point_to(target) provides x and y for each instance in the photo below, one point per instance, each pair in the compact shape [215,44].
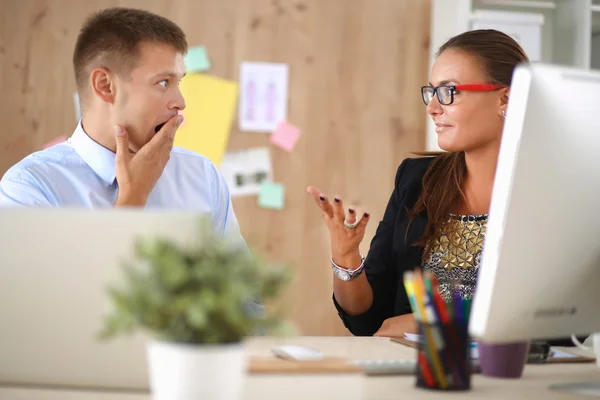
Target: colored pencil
[440,360]
[433,354]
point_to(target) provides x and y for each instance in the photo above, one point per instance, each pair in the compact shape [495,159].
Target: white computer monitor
[55,267]
[540,271]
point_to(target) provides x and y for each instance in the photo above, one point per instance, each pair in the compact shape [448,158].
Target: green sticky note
[271,195]
[197,60]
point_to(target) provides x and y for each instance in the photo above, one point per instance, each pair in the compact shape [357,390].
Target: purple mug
[505,360]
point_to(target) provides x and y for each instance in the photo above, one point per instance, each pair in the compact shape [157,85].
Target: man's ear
[103,84]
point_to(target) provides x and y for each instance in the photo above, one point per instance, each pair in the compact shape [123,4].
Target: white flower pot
[196,372]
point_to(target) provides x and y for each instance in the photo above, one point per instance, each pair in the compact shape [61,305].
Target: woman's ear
[505,95]
[504,101]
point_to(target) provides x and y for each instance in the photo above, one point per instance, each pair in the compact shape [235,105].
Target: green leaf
[196,316]
[197,294]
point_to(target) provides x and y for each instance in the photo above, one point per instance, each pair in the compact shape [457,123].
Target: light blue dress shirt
[81,173]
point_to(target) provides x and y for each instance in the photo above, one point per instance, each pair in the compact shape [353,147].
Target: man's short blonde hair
[110,38]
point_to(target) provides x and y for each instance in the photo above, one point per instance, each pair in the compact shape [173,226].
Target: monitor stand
[590,388]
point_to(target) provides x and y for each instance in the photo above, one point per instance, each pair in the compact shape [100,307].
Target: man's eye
[163,83]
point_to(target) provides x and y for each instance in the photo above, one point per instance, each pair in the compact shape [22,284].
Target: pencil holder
[443,358]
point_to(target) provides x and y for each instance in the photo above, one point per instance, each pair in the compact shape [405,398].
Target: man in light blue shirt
[128,64]
[81,173]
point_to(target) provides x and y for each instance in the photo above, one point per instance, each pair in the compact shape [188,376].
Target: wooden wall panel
[355,71]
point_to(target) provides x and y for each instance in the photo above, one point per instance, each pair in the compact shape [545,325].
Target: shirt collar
[100,159]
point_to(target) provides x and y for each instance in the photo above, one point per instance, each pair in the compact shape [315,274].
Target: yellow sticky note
[210,105]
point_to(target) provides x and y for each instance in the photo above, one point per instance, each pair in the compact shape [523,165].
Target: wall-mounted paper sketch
[525,28]
[246,170]
[264,95]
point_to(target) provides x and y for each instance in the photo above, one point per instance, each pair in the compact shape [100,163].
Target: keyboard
[396,367]
[387,367]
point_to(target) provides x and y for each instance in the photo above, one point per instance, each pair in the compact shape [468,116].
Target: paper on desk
[196,60]
[263,96]
[246,170]
[413,337]
[210,106]
[555,353]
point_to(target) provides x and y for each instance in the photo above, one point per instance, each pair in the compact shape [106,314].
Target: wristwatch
[348,274]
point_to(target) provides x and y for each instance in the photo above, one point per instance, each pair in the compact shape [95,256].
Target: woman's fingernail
[337,200]
[351,211]
[322,198]
[366,215]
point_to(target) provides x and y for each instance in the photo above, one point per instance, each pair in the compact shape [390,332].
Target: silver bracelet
[348,274]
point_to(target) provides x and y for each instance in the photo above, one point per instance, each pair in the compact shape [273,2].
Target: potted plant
[197,303]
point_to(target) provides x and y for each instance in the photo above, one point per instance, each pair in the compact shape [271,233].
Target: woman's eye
[163,83]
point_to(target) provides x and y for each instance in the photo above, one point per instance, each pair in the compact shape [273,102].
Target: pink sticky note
[58,140]
[285,136]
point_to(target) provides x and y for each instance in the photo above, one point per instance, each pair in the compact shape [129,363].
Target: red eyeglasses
[445,94]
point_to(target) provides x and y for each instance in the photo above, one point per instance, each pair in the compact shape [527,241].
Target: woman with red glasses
[437,214]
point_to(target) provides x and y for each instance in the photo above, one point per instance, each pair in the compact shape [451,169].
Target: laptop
[55,268]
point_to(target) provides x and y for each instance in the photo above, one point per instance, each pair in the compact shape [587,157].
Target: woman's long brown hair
[498,54]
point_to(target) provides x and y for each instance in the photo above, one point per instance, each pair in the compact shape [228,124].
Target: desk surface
[534,383]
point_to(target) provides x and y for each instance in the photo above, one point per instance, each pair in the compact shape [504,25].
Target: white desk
[533,385]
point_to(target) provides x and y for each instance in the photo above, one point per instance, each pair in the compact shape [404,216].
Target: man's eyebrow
[169,74]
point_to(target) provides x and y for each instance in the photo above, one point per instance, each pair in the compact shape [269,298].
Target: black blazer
[391,252]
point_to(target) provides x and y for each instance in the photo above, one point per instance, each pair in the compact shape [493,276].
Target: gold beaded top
[456,255]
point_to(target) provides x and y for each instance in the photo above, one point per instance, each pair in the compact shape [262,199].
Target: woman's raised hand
[346,228]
